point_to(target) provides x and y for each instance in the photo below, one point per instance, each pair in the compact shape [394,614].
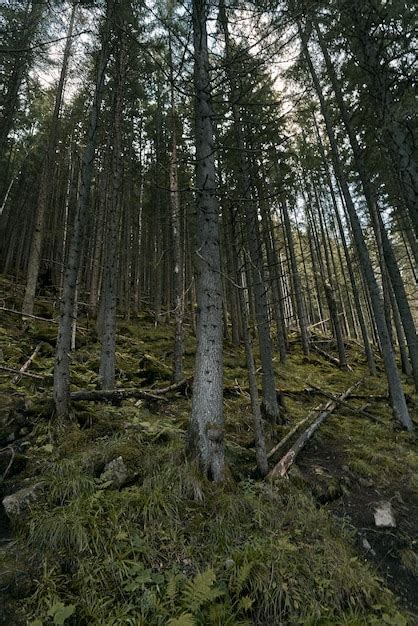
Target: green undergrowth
[171,548]
[175,549]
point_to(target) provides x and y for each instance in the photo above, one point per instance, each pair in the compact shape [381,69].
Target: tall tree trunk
[297,287]
[62,359]
[176,238]
[35,255]
[260,444]
[387,255]
[253,240]
[397,132]
[99,224]
[109,296]
[206,427]
[397,396]
[273,268]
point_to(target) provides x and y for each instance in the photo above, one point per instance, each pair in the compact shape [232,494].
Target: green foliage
[172,548]
[409,559]
[153,554]
[60,612]
[201,591]
[185,619]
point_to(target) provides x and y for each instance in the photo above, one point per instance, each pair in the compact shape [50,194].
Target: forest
[208,313]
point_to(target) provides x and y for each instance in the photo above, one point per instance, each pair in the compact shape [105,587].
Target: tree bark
[398,402]
[35,255]
[206,428]
[109,296]
[176,238]
[300,305]
[281,468]
[388,259]
[253,240]
[62,359]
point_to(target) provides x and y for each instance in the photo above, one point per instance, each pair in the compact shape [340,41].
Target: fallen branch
[174,387]
[12,370]
[330,358]
[348,406]
[318,323]
[35,317]
[280,469]
[12,458]
[25,366]
[116,395]
[112,395]
[372,397]
[295,392]
[291,432]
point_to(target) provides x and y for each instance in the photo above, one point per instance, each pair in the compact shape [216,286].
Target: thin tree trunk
[176,238]
[62,360]
[19,67]
[297,287]
[253,240]
[398,402]
[260,444]
[109,296]
[386,252]
[275,286]
[35,255]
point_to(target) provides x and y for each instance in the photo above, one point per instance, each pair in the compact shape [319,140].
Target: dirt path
[353,498]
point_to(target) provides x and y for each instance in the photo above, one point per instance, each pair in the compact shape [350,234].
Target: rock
[364,482]
[229,563]
[367,546]
[383,515]
[18,503]
[115,472]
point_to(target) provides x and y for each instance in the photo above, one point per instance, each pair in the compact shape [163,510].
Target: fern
[185,619]
[200,590]
[240,577]
[172,588]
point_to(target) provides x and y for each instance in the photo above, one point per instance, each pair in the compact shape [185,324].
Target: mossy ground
[172,548]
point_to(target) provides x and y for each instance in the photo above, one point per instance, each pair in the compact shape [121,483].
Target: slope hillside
[148,541]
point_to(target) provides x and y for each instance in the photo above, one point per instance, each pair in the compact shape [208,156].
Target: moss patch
[172,548]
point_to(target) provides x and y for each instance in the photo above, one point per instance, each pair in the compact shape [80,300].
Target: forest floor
[168,547]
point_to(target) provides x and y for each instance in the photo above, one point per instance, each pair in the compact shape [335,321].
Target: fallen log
[330,358]
[291,432]
[182,385]
[12,370]
[280,469]
[34,317]
[112,395]
[27,364]
[174,387]
[348,406]
[373,397]
[318,323]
